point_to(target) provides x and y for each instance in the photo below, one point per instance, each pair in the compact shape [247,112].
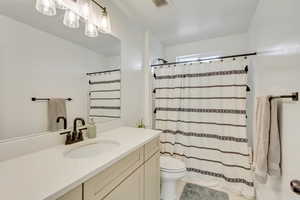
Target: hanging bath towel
[56,108]
[267,145]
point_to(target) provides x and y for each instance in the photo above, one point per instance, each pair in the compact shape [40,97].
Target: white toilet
[171,170]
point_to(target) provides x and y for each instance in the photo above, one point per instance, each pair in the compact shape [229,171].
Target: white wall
[132,38]
[153,50]
[228,45]
[113,62]
[156,49]
[275,32]
[34,63]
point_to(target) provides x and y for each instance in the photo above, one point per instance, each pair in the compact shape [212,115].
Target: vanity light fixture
[85,8]
[71,19]
[105,22]
[90,29]
[46,7]
[60,4]
[90,12]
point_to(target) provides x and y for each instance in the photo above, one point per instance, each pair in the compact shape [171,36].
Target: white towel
[274,157]
[262,138]
[56,108]
[267,144]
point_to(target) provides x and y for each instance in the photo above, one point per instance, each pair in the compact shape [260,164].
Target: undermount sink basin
[92,149]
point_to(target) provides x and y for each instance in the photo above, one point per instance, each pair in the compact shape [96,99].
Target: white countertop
[48,174]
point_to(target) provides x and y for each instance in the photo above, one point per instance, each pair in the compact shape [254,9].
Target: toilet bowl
[171,170]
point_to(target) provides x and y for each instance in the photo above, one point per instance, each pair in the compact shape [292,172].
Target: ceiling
[191,20]
[24,11]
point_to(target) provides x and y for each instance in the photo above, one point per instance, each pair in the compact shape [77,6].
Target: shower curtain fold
[201,110]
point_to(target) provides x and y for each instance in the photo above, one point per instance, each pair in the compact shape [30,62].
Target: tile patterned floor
[181,184]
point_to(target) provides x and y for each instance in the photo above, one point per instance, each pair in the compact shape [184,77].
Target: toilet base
[171,171]
[168,190]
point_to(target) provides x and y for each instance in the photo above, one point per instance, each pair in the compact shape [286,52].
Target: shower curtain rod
[207,59]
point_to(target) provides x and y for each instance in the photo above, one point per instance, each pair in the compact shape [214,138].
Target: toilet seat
[171,165]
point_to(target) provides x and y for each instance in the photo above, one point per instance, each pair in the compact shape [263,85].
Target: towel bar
[46,99]
[294,97]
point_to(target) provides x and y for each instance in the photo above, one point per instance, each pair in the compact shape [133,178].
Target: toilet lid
[171,164]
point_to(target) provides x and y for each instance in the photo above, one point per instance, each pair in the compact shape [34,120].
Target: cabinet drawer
[100,185]
[151,148]
[75,194]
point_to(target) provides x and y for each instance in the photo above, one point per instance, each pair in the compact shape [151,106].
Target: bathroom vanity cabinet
[135,177]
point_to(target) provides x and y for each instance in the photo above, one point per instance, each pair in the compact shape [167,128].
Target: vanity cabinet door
[103,183]
[152,178]
[131,188]
[75,194]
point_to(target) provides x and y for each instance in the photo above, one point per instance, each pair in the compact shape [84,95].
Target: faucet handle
[65,133]
[80,134]
[81,129]
[69,137]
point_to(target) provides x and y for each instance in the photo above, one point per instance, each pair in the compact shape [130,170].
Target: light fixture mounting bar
[103,8]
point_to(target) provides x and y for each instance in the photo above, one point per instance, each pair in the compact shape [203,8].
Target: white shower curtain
[201,109]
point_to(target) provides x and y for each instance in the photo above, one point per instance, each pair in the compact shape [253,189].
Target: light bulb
[91,30]
[60,4]
[71,19]
[46,7]
[85,10]
[105,23]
